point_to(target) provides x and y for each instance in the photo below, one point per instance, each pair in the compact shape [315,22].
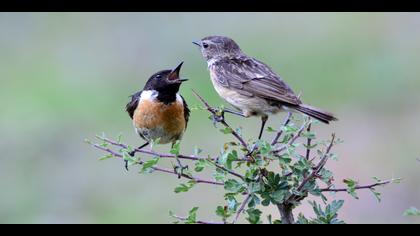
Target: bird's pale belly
[250,106]
[156,120]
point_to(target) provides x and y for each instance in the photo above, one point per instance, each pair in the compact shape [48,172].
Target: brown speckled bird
[159,112]
[250,85]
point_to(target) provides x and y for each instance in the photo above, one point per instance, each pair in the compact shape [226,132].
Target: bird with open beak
[159,112]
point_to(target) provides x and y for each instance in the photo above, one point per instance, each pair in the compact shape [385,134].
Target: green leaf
[302,219]
[254,216]
[278,196]
[232,204]
[154,142]
[264,147]
[175,148]
[329,216]
[309,135]
[254,201]
[192,216]
[226,130]
[147,167]
[289,129]
[185,187]
[106,157]
[376,194]
[254,187]
[266,202]
[269,218]
[223,212]
[335,206]
[233,186]
[271,130]
[200,165]
[351,187]
[412,211]
[219,175]
[232,156]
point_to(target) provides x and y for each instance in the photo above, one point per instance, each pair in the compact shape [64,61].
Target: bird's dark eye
[158,76]
[205,45]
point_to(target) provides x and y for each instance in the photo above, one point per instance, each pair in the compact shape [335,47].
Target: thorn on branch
[280,132]
[315,172]
[370,186]
[160,169]
[222,121]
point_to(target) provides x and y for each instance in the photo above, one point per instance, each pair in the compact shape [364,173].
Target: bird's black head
[166,83]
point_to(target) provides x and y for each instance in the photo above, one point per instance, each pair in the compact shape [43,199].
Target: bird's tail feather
[316,113]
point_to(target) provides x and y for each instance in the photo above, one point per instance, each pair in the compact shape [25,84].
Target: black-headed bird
[159,112]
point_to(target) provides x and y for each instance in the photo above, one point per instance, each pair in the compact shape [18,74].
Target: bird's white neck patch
[179,98]
[151,95]
[148,95]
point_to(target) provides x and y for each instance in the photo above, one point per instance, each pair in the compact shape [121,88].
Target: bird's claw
[179,170]
[126,165]
[253,149]
[218,117]
[126,161]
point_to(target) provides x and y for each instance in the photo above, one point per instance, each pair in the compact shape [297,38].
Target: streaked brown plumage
[250,85]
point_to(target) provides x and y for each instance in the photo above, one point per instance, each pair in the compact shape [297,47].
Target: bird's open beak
[197,43]
[174,75]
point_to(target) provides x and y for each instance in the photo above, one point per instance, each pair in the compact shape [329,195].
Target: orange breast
[151,115]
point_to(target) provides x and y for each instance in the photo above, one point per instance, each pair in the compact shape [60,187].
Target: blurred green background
[65,77]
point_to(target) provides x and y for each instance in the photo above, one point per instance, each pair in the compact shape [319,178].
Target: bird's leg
[263,122]
[179,168]
[133,153]
[234,112]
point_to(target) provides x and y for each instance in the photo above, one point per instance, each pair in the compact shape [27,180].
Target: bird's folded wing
[186,112]
[251,77]
[132,105]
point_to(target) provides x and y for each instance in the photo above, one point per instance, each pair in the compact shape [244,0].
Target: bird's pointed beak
[197,43]
[174,75]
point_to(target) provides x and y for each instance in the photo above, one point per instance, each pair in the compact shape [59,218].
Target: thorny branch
[222,120]
[308,143]
[370,186]
[286,207]
[285,123]
[320,165]
[294,138]
[160,169]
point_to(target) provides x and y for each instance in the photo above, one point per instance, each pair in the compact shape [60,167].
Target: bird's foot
[217,117]
[126,161]
[179,170]
[126,165]
[252,150]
